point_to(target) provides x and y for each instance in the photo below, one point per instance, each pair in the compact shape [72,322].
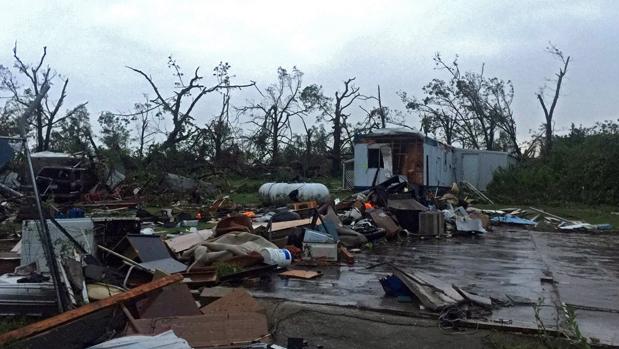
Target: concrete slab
[506,264]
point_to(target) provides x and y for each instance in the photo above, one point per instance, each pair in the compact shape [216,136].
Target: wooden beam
[277,226]
[74,314]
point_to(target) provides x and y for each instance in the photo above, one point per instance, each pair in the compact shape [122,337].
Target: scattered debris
[173,276]
[431,292]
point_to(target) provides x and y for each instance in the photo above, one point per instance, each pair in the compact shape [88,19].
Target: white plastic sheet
[165,340]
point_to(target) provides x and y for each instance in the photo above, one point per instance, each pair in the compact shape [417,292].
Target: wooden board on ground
[229,330]
[477,299]
[171,300]
[277,226]
[300,274]
[431,292]
[237,301]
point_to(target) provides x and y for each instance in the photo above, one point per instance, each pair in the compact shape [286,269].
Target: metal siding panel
[488,163]
[470,168]
[361,165]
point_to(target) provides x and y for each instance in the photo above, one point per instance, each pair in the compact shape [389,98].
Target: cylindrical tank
[278,193]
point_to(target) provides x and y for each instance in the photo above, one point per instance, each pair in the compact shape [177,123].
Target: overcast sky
[390,43]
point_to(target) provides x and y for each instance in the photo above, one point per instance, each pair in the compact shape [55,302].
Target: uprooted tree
[549,111]
[47,116]
[468,108]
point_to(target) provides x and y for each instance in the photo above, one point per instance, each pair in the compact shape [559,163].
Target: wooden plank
[276,226]
[346,255]
[74,314]
[477,299]
[300,274]
[237,301]
[428,299]
[433,293]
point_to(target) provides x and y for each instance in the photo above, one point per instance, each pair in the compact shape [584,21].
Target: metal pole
[46,240]
[343,175]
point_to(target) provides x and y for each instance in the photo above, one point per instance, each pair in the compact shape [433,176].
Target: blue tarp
[511,219]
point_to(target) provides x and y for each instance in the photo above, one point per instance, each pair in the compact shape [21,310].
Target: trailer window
[375,159]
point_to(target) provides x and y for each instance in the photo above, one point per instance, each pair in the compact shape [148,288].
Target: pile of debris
[134,276]
[451,302]
[535,217]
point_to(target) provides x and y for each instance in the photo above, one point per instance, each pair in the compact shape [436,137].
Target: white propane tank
[277,193]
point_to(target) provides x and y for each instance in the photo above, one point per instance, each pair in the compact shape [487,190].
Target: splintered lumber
[551,215]
[476,191]
[77,313]
[277,226]
[477,299]
[433,293]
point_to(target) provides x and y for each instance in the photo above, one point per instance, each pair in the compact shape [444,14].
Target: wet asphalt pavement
[506,264]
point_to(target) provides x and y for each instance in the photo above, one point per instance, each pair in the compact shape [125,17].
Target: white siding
[478,166]
[438,165]
[361,165]
[364,175]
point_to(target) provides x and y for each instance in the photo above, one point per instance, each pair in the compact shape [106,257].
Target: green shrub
[582,167]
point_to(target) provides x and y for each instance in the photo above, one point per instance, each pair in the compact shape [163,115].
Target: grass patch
[244,191]
[9,323]
[224,268]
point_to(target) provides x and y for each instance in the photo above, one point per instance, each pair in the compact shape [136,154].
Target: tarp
[511,219]
[227,246]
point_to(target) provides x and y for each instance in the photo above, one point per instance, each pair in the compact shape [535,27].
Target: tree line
[165,130]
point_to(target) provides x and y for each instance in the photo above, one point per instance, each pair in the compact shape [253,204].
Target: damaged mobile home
[425,162]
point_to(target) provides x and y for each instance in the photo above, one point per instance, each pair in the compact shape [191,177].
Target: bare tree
[280,103]
[46,115]
[184,99]
[335,112]
[220,130]
[549,113]
[144,118]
